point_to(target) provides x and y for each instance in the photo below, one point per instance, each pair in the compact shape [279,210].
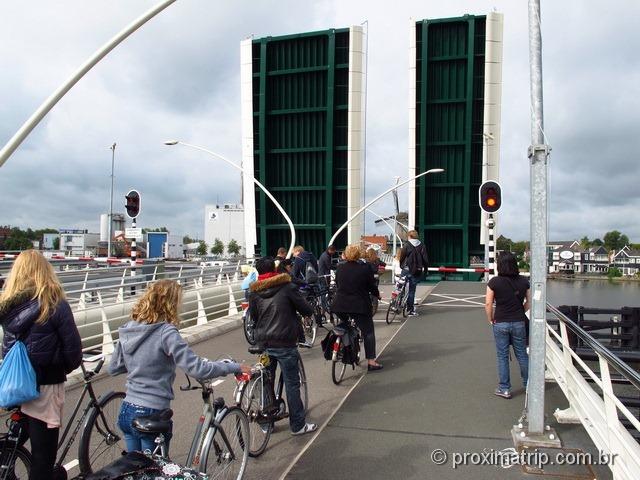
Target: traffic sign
[135,233]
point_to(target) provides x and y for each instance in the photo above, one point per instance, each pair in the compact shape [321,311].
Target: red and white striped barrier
[457,270]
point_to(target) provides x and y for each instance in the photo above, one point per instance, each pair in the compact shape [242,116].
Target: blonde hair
[298,249]
[398,254]
[32,272]
[352,253]
[371,255]
[160,302]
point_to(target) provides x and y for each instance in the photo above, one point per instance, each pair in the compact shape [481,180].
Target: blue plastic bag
[17,378]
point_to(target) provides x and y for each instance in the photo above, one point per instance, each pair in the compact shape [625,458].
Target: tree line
[613,240]
[19,239]
[233,248]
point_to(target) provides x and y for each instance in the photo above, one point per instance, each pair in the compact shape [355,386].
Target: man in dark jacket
[414,262]
[273,302]
[325,263]
[300,261]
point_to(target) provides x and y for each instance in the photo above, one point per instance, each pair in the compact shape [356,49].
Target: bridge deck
[435,392]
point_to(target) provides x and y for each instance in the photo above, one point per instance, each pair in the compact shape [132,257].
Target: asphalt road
[324,396]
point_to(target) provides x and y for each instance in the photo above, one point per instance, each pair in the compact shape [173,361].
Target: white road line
[72,464]
[326,422]
[217,382]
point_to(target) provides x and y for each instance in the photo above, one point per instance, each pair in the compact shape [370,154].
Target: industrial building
[78,243]
[224,222]
[303,136]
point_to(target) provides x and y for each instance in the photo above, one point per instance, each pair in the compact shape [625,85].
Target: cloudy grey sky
[178,77]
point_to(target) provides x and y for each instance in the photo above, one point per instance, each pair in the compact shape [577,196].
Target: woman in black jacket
[33,309]
[355,281]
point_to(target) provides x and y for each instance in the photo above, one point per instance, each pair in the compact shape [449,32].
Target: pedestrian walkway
[432,402]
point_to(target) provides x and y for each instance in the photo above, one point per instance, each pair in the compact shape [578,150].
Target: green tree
[615,240]
[187,239]
[18,240]
[218,247]
[597,242]
[233,248]
[56,243]
[504,244]
[614,272]
[584,242]
[202,248]
[519,248]
[157,229]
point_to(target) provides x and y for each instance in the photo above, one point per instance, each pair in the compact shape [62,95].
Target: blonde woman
[355,282]
[33,309]
[148,351]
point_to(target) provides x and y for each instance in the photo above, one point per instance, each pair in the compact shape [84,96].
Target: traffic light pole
[134,255]
[491,248]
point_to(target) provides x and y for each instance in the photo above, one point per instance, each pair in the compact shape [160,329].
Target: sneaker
[308,428]
[502,393]
[412,313]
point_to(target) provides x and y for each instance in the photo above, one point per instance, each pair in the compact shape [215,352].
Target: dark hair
[332,248]
[282,252]
[508,265]
[265,265]
[283,264]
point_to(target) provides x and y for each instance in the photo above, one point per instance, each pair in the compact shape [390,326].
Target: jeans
[505,334]
[134,439]
[287,358]
[412,283]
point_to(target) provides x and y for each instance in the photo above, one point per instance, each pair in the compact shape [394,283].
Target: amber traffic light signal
[133,203]
[490,195]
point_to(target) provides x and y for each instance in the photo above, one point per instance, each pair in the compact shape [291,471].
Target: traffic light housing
[133,203]
[490,195]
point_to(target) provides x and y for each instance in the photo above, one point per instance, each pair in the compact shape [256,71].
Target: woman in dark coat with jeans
[355,281]
[33,309]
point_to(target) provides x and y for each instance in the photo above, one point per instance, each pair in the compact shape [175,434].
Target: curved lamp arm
[344,225]
[250,175]
[50,102]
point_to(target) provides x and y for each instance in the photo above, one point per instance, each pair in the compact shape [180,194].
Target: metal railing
[101,305]
[596,399]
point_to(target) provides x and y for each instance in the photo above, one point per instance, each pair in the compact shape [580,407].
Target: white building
[225,222]
[78,243]
[48,240]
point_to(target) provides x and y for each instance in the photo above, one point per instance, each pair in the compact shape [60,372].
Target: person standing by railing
[33,309]
[511,293]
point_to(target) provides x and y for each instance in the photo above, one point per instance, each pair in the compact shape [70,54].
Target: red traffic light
[490,196]
[133,203]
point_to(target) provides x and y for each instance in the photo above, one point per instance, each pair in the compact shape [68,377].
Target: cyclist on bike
[355,283]
[148,351]
[273,302]
[414,262]
[33,309]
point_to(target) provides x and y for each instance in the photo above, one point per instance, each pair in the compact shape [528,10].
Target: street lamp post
[397,185]
[113,156]
[255,180]
[395,233]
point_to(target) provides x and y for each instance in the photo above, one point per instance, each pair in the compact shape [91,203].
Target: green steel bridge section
[449,120]
[300,106]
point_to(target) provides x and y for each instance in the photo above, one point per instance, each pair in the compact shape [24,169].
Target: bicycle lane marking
[344,399]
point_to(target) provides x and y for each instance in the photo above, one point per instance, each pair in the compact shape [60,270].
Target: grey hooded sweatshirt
[149,354]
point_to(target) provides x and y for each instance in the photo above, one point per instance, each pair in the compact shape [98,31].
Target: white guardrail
[595,405]
[102,298]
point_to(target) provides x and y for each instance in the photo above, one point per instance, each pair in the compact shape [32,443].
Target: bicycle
[264,404]
[218,449]
[398,303]
[15,459]
[345,349]
[248,324]
[100,440]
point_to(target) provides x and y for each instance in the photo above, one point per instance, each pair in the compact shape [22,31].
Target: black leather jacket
[273,304]
[54,347]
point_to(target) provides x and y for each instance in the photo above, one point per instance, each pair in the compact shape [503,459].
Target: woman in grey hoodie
[148,351]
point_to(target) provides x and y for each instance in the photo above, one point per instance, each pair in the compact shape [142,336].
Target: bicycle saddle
[155,423]
[256,350]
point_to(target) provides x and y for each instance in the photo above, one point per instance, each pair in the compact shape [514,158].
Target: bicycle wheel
[101,441]
[248,327]
[392,311]
[225,455]
[337,366]
[252,401]
[405,296]
[15,461]
[310,328]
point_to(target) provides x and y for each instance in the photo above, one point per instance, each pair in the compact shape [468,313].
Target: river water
[593,293]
